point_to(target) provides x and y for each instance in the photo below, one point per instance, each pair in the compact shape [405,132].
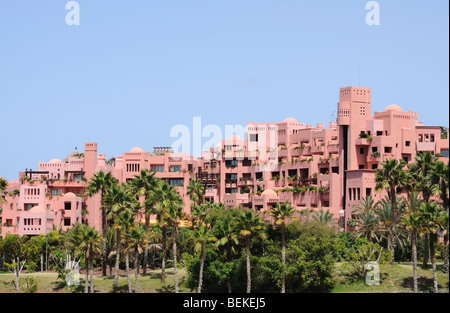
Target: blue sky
[133,69]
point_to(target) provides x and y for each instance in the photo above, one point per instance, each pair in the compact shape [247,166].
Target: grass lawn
[393,278]
[151,283]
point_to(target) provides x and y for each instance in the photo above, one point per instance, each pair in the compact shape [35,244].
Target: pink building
[312,167]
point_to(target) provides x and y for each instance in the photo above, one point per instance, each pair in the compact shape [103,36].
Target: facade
[312,167]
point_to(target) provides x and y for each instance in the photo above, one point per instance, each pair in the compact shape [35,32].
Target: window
[362,111]
[247,162]
[56,192]
[253,137]
[231,163]
[445,153]
[175,168]
[68,206]
[29,206]
[379,133]
[408,143]
[361,166]
[231,177]
[374,166]
[368,192]
[387,149]
[133,167]
[361,150]
[157,168]
[374,149]
[176,182]
[67,221]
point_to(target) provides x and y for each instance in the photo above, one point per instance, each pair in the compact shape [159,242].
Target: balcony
[296,152]
[334,162]
[246,181]
[373,158]
[426,146]
[325,195]
[210,193]
[306,151]
[333,148]
[282,153]
[318,149]
[207,178]
[363,142]
[67,183]
[230,182]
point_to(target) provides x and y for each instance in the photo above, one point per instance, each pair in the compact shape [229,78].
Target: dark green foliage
[310,255]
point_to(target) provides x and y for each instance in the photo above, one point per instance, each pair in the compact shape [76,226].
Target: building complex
[312,167]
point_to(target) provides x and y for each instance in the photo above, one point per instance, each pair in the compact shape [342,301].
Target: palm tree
[154,242]
[250,226]
[367,223]
[281,212]
[196,191]
[111,245]
[388,228]
[392,177]
[413,222]
[324,216]
[100,182]
[444,223]
[202,236]
[168,211]
[145,185]
[432,223]
[226,231]
[421,171]
[89,242]
[201,213]
[174,210]
[120,200]
[160,209]
[421,175]
[127,220]
[3,185]
[137,241]
[367,204]
[439,178]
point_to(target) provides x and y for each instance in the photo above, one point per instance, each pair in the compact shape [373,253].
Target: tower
[90,159]
[354,109]
[90,168]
